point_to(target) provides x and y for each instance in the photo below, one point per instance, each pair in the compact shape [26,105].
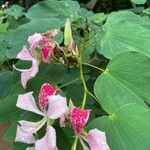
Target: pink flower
[96,139]
[53,103]
[37,41]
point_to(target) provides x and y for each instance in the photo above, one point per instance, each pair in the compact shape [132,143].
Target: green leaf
[8,109]
[16,11]
[139,1]
[62,139]
[54,9]
[126,80]
[3,26]
[19,146]
[124,31]
[5,83]
[127,128]
[18,38]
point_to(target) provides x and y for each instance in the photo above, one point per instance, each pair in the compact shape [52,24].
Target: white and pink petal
[57,106]
[34,41]
[24,54]
[24,137]
[27,102]
[96,140]
[48,142]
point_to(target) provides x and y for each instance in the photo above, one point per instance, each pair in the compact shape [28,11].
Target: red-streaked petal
[47,51]
[79,117]
[45,91]
[27,102]
[24,137]
[48,142]
[96,140]
[57,106]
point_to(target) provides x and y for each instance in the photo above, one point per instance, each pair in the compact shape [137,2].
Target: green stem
[82,77]
[74,145]
[69,83]
[84,86]
[92,96]
[102,70]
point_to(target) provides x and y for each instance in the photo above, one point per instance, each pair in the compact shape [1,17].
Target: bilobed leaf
[54,9]
[126,80]
[127,128]
[124,31]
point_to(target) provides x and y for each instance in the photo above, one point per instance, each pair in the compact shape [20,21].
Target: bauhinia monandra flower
[52,106]
[41,47]
[95,139]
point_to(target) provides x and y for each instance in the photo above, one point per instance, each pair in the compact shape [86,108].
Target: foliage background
[116,68]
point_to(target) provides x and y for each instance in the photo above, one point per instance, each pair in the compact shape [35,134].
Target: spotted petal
[48,142]
[47,51]
[27,102]
[96,140]
[24,137]
[79,117]
[45,91]
[57,106]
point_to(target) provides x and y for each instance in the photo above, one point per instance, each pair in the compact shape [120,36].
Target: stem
[92,96]
[102,70]
[84,86]
[82,78]
[69,83]
[74,146]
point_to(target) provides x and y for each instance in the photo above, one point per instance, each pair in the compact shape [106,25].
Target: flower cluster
[53,106]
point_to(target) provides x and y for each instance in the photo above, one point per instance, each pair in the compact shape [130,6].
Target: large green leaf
[54,9]
[126,80]
[18,38]
[127,128]
[124,31]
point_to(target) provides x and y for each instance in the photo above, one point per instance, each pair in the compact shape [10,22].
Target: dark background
[101,5]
